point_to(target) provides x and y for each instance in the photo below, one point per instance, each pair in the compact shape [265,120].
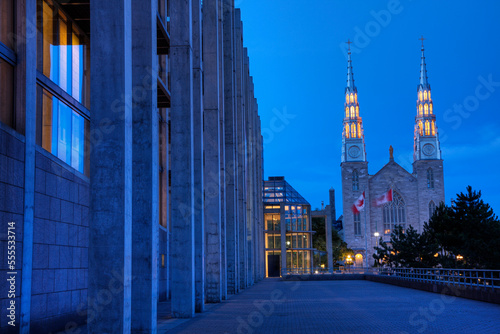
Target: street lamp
[348,260]
[376,234]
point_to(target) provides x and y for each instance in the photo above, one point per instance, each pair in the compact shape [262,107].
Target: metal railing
[326,271]
[489,279]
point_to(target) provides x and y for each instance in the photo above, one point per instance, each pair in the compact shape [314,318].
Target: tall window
[433,128]
[353,131]
[355,180]
[425,95]
[357,110]
[420,109]
[420,95]
[346,98]
[426,109]
[352,98]
[346,112]
[7,63]
[432,208]
[430,108]
[420,128]
[430,178]
[357,223]
[352,112]
[427,129]
[347,130]
[394,213]
[64,84]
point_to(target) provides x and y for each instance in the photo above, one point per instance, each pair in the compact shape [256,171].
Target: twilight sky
[298,61]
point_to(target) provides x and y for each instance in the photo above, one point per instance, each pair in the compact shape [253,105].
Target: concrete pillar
[110,242]
[328,230]
[230,147]
[240,111]
[283,240]
[220,4]
[212,151]
[198,159]
[247,118]
[26,102]
[183,208]
[145,173]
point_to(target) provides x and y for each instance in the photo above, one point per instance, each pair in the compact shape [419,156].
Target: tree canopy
[465,234]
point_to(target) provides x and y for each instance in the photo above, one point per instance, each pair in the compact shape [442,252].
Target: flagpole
[366,238]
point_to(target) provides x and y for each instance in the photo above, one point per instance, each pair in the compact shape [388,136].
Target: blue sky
[299,68]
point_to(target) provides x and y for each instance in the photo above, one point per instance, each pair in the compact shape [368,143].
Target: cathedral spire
[426,140]
[353,139]
[350,75]
[424,84]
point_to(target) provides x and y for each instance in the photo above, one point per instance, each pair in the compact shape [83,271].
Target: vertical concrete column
[212,151]
[110,242]
[242,244]
[145,173]
[261,203]
[248,164]
[198,159]
[26,102]
[283,239]
[328,231]
[222,150]
[229,142]
[183,208]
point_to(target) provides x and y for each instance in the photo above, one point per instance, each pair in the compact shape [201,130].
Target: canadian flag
[359,204]
[387,197]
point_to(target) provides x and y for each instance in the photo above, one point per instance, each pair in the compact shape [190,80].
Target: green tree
[468,228]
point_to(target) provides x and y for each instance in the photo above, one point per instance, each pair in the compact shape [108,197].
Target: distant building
[415,194]
[287,217]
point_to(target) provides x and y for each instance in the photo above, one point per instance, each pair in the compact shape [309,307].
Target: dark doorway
[273,266]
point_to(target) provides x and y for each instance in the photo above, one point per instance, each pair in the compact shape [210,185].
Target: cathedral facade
[415,194]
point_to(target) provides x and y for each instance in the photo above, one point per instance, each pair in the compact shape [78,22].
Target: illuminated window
[359,130]
[347,98]
[430,178]
[357,111]
[352,98]
[63,52]
[425,95]
[430,107]
[427,129]
[347,130]
[394,213]
[352,112]
[429,95]
[433,128]
[426,109]
[420,128]
[355,180]
[353,131]
[432,208]
[420,109]
[62,131]
[163,260]
[357,223]
[420,95]
[356,97]
[347,112]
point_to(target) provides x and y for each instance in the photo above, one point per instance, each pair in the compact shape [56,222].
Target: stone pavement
[273,306]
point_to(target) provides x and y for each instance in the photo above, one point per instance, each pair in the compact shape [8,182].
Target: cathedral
[413,195]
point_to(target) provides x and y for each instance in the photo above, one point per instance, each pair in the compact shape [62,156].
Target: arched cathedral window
[357,111]
[394,213]
[420,95]
[346,98]
[347,130]
[357,223]
[420,109]
[355,180]
[352,112]
[352,98]
[353,131]
[346,112]
[432,208]
[430,178]
[425,95]
[426,109]
[427,129]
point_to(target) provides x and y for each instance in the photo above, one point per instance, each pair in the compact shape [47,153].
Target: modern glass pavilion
[287,228]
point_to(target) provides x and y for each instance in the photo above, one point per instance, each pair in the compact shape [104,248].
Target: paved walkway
[273,306]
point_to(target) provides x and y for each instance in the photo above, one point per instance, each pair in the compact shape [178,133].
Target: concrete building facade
[415,195]
[130,162]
